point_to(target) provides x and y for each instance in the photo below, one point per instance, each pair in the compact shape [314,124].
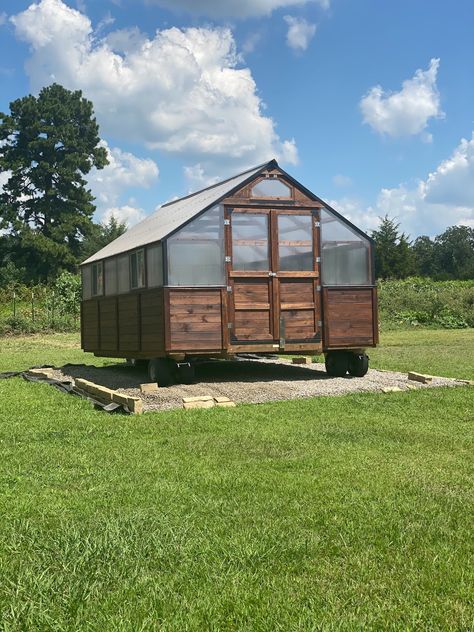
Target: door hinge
[318,259]
[230,325]
[227,259]
[318,288]
[320,323]
[229,288]
[317,224]
[227,222]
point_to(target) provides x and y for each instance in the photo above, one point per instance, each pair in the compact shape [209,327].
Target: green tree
[101,235]
[47,144]
[393,256]
[455,253]
[424,255]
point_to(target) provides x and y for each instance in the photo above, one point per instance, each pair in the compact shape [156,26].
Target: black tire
[337,363]
[358,364]
[185,373]
[160,370]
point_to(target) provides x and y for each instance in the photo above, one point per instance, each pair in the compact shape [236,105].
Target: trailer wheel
[161,370]
[337,363]
[358,364]
[185,372]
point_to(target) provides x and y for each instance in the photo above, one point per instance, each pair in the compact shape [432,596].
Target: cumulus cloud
[180,92]
[126,214]
[300,32]
[445,198]
[407,112]
[232,8]
[125,171]
[197,178]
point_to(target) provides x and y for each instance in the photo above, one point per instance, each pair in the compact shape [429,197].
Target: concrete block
[226,404]
[150,387]
[302,360]
[221,400]
[392,389]
[201,398]
[199,404]
[419,377]
[43,373]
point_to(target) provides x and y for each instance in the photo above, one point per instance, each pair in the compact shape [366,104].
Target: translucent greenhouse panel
[196,252]
[86,282]
[123,274]
[345,256]
[137,269]
[154,262]
[97,278]
[271,187]
[111,276]
[250,242]
[295,242]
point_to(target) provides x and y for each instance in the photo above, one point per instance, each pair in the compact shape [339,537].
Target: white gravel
[249,381]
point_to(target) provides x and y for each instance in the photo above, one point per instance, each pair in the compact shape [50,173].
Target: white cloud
[126,214]
[341,181]
[407,112]
[232,8]
[445,198]
[181,92]
[300,32]
[197,177]
[124,172]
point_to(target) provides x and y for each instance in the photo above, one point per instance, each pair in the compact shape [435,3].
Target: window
[196,252]
[123,274]
[110,276]
[86,282]
[137,269]
[154,263]
[271,187]
[97,279]
[250,241]
[295,242]
[344,253]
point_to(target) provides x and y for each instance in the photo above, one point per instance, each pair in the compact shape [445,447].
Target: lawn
[341,513]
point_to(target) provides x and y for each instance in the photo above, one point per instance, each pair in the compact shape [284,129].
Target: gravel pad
[246,381]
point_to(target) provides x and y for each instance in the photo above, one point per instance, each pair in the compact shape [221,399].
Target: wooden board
[349,317]
[194,319]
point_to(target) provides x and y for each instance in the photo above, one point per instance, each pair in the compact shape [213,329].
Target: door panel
[253,309]
[273,276]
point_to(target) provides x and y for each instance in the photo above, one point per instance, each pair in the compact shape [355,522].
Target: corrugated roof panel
[168,218]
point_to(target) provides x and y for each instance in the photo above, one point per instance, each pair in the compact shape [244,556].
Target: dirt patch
[246,381]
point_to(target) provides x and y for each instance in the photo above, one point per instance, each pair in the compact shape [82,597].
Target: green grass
[341,513]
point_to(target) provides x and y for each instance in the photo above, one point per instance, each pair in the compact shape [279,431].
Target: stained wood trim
[303,274]
[375,314]
[225,320]
[248,274]
[167,324]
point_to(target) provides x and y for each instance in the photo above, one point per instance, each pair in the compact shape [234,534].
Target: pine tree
[393,254]
[47,144]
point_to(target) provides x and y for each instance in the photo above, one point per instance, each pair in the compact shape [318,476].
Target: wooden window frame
[135,254]
[94,279]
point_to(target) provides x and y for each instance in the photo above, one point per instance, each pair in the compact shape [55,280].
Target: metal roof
[169,217]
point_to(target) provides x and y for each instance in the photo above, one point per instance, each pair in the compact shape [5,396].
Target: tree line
[49,143]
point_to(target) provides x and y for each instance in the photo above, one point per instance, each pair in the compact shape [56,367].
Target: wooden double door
[273,276]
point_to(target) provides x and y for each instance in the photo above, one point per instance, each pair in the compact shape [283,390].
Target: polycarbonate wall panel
[271,187]
[295,242]
[86,282]
[250,242]
[345,255]
[111,276]
[123,274]
[154,262]
[196,252]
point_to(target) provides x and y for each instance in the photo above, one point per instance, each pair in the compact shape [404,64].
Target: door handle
[272,274]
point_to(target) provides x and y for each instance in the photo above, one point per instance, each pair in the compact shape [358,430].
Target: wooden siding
[349,317]
[195,319]
[128,325]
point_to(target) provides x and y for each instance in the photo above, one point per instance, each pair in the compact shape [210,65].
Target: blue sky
[368,103]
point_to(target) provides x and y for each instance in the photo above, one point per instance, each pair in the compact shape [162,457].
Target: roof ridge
[216,184]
